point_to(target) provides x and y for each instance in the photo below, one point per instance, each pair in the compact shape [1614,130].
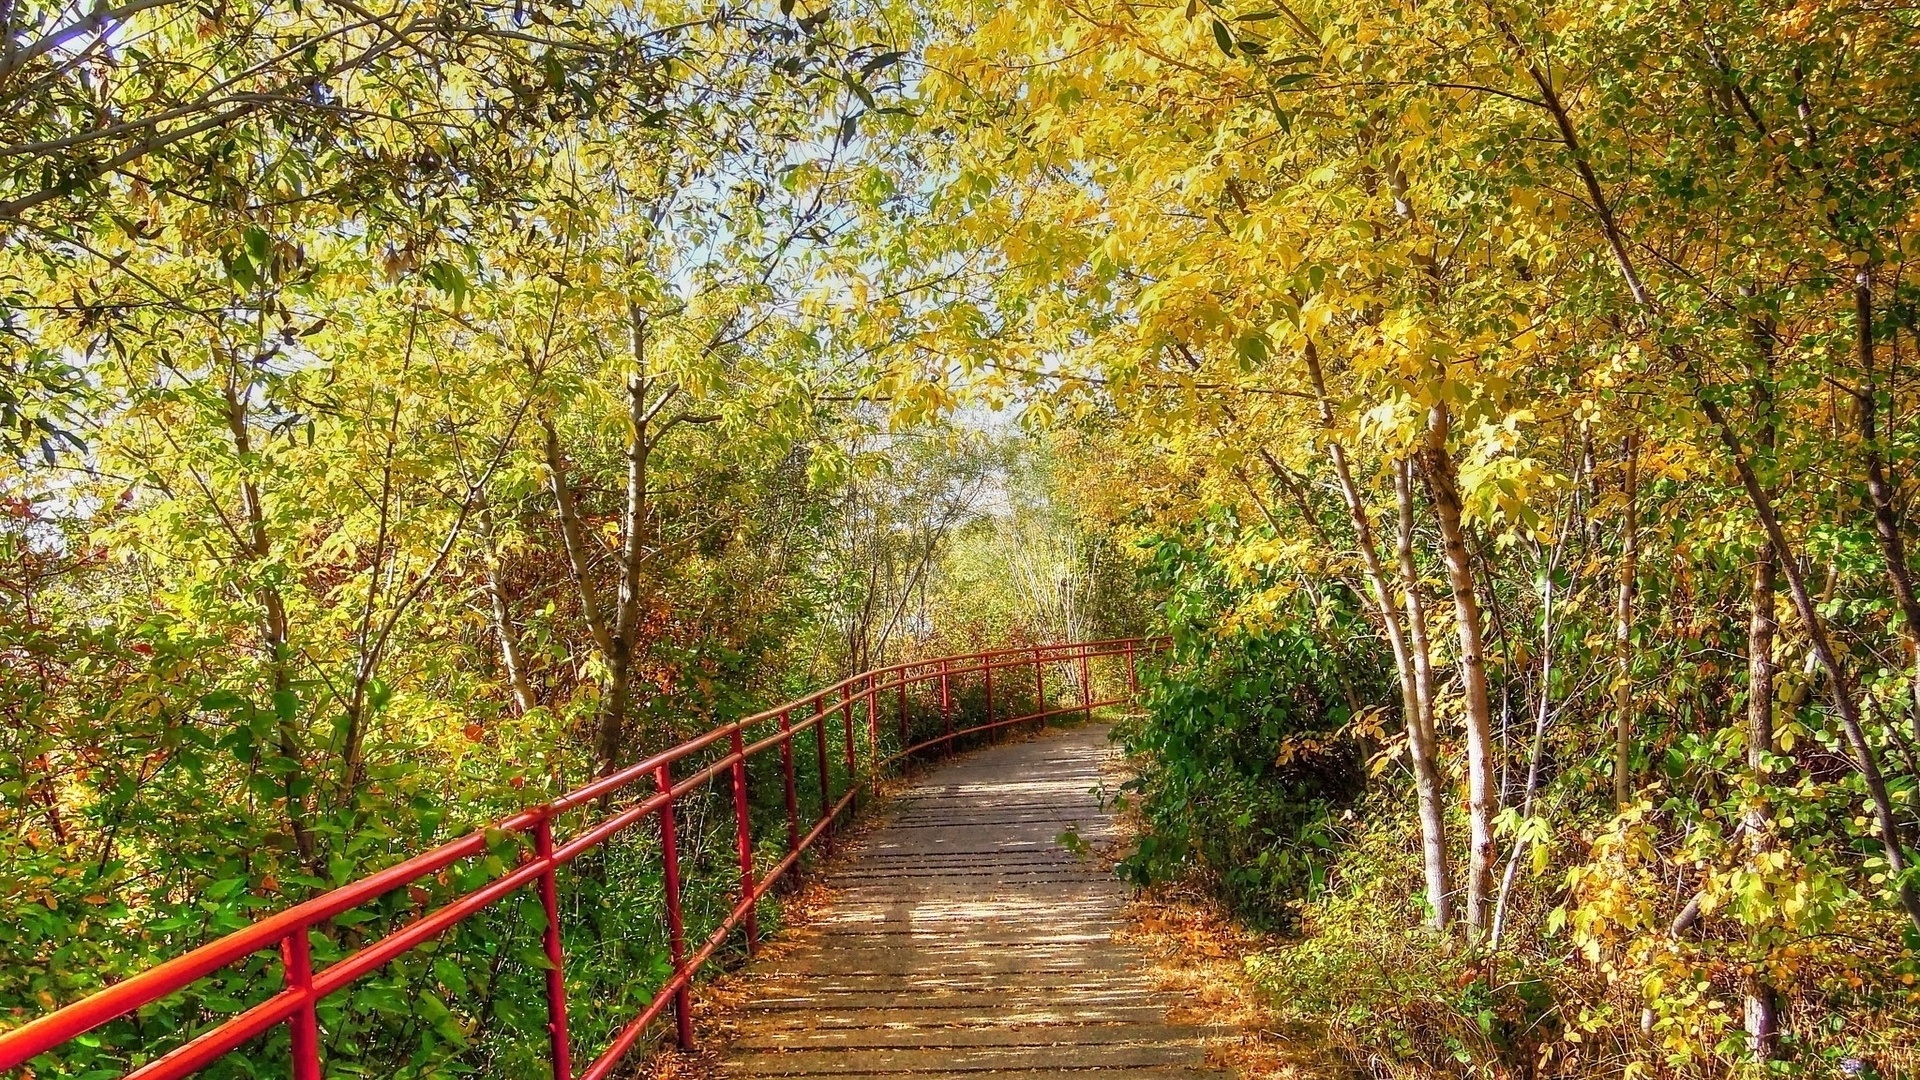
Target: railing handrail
[289,929]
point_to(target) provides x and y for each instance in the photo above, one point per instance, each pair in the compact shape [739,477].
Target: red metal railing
[290,930]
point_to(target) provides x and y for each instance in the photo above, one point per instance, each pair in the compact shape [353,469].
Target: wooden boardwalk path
[966,942]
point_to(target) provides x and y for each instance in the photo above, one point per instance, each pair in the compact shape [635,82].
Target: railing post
[853,767]
[873,722]
[1086,684]
[676,930]
[906,739]
[786,777]
[303,1027]
[550,941]
[988,661]
[1039,687]
[1133,674]
[743,840]
[946,706]
[820,751]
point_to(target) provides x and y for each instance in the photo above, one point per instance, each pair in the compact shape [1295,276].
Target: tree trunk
[1589,486]
[609,743]
[1423,746]
[573,538]
[503,624]
[1443,485]
[1623,628]
[274,639]
[1760,1003]
[1419,740]
[1418,645]
[1886,516]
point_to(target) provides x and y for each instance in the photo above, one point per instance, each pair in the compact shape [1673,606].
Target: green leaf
[222,701]
[1223,37]
[533,958]
[450,975]
[448,279]
[259,246]
[242,271]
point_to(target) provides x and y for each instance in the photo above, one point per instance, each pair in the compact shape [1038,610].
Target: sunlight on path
[964,939]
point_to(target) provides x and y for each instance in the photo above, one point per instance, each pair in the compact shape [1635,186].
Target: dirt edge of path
[1199,953]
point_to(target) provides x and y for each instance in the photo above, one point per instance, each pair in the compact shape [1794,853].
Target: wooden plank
[951,1037]
[1058,982]
[995,1010]
[829,1061]
[983,1005]
[1061,1072]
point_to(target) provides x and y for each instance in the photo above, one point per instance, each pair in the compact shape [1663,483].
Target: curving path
[966,941]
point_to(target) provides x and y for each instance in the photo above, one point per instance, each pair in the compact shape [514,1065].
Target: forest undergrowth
[1294,898]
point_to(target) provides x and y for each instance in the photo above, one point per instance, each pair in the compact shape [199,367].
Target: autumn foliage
[1506,409]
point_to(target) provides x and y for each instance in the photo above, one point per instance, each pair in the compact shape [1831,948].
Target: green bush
[1245,758]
